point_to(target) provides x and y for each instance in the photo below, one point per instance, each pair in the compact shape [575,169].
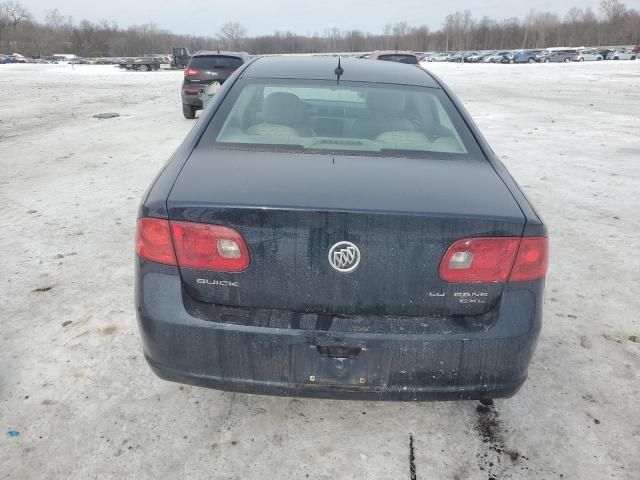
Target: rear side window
[356,118]
[215,61]
[410,59]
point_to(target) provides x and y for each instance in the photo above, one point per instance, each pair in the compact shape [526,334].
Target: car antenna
[338,71]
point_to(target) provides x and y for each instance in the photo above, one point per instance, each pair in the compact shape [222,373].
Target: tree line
[612,24]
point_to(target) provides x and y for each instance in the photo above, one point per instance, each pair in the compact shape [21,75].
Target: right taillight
[191,245]
[532,260]
[494,260]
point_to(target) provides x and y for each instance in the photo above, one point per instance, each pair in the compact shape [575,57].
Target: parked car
[439,57]
[489,57]
[622,54]
[556,56]
[203,69]
[342,235]
[457,57]
[143,64]
[504,57]
[605,52]
[398,56]
[587,55]
[477,57]
[526,56]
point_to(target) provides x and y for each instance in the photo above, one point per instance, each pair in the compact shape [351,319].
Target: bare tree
[613,10]
[232,34]
[11,15]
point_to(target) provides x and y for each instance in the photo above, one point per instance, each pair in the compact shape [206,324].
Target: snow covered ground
[77,400]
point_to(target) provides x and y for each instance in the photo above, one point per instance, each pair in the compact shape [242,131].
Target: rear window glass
[410,59]
[215,61]
[352,117]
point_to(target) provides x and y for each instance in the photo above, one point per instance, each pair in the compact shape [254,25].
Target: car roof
[209,53]
[393,52]
[354,70]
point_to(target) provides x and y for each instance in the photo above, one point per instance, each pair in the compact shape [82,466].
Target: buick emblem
[344,257]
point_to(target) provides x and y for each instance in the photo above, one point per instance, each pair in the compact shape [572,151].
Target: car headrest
[282,108]
[384,101]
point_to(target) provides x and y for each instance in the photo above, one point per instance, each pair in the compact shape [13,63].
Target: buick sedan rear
[343,231]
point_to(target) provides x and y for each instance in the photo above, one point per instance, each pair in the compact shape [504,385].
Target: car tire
[616,58]
[531,60]
[598,59]
[189,111]
[567,60]
[581,59]
[546,60]
[145,68]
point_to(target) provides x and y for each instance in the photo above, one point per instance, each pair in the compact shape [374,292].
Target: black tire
[531,60]
[145,68]
[567,60]
[582,59]
[616,58]
[189,111]
[546,60]
[598,59]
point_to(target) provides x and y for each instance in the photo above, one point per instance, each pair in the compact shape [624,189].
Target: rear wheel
[188,111]
[531,60]
[546,60]
[145,68]
[567,60]
[581,59]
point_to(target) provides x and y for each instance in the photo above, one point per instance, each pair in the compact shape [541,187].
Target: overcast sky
[205,17]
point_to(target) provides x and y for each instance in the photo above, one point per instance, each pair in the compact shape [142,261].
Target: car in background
[605,52]
[14,59]
[489,57]
[556,56]
[622,54]
[504,57]
[204,68]
[589,55]
[439,57]
[474,57]
[397,56]
[526,56]
[346,284]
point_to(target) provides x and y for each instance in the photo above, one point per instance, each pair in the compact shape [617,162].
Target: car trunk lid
[291,209]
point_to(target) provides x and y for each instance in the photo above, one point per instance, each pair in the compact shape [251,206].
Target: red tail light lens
[153,241]
[191,72]
[209,247]
[494,260]
[484,260]
[532,259]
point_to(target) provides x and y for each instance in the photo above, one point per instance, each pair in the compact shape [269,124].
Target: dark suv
[205,68]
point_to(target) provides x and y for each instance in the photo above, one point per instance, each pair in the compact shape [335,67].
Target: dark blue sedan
[340,229]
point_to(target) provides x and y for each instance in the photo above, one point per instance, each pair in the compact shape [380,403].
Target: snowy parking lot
[77,400]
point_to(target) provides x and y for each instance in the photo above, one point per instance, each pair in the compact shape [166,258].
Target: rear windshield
[215,61]
[352,117]
[410,59]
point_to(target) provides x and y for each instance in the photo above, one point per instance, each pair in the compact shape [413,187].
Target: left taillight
[153,241]
[209,247]
[191,245]
[191,72]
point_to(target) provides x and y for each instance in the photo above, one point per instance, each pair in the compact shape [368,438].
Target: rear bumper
[489,363]
[192,99]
